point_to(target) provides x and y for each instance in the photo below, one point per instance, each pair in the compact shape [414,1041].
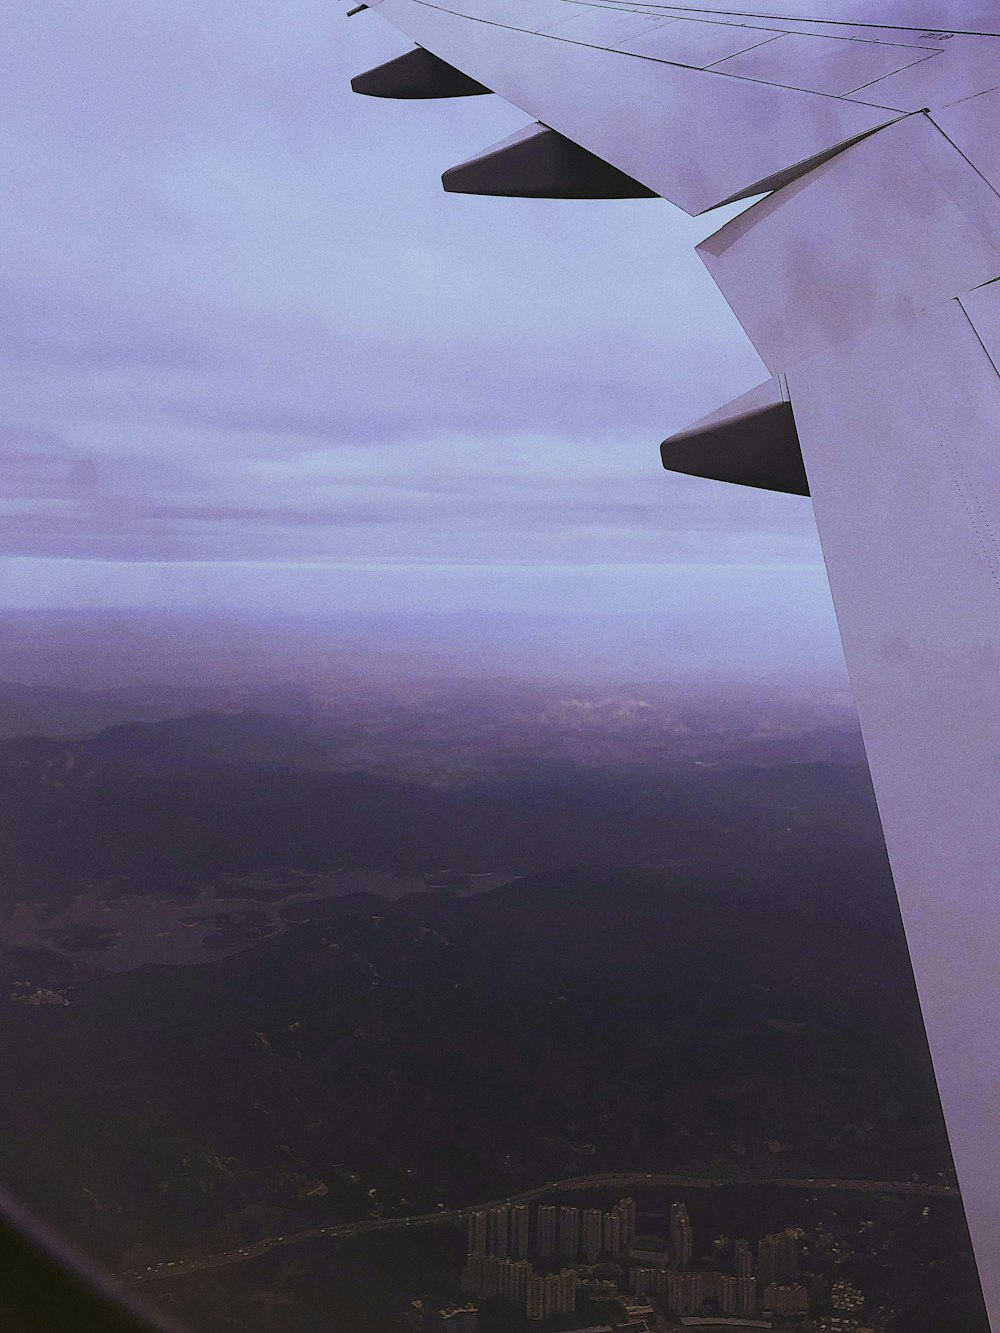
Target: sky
[255,357]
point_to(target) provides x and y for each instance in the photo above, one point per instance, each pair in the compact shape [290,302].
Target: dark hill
[163,806]
[444,1048]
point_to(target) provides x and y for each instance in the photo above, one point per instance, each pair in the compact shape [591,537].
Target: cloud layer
[243,323]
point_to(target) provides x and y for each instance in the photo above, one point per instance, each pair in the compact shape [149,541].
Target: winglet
[416,74]
[538,163]
[752,441]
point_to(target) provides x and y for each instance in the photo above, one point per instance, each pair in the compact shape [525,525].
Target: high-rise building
[545,1231]
[685,1242]
[567,1291]
[472,1276]
[592,1234]
[641,1281]
[681,1237]
[554,1294]
[552,1290]
[629,1218]
[520,1277]
[520,1231]
[478,1232]
[743,1258]
[688,1293]
[505,1280]
[569,1231]
[499,1231]
[725,1293]
[613,1243]
[778,1258]
[491,1276]
[535,1299]
[698,1288]
[767,1260]
[788,1256]
[746,1296]
[513,1280]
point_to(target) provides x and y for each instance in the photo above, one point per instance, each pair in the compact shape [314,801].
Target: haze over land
[736,644]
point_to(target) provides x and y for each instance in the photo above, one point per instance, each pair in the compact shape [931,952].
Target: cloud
[243,322]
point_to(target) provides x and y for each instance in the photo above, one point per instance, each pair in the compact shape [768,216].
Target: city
[547,1263]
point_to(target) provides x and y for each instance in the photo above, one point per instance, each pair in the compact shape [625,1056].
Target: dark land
[439,944]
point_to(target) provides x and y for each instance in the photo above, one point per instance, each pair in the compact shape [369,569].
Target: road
[613,1180]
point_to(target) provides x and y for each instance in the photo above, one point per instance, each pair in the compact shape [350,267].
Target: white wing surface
[867,279]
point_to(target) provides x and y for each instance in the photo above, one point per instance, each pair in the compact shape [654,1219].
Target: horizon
[250,369]
[101,648]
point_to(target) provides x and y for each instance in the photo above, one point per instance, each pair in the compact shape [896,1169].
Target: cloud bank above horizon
[254,351]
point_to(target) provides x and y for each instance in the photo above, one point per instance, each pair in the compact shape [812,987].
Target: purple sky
[255,356]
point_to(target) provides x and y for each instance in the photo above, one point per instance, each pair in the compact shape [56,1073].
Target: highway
[614,1180]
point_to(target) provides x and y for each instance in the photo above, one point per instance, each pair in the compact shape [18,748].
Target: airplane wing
[867,281]
[49,1287]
